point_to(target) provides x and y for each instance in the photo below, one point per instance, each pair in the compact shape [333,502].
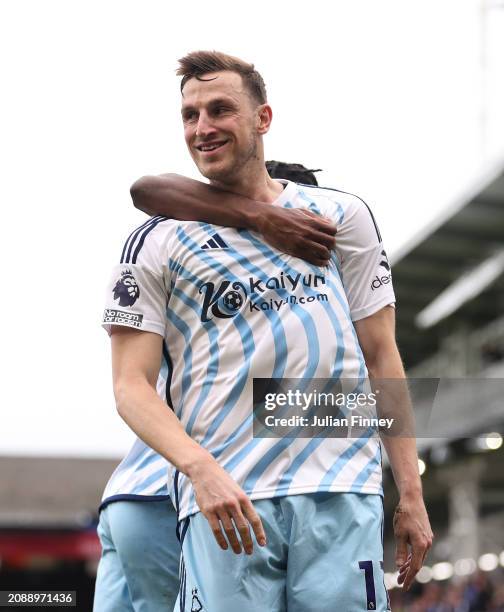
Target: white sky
[385,96]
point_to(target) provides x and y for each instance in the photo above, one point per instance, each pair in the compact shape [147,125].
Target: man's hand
[414,537]
[298,232]
[225,505]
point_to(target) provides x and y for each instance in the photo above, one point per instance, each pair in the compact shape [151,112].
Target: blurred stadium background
[450,292]
[449,282]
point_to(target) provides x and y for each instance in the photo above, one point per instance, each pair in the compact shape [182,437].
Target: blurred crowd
[482,592]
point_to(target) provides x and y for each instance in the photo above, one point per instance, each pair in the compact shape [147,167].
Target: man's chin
[215,172]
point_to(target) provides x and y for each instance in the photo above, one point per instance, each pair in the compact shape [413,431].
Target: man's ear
[264,118]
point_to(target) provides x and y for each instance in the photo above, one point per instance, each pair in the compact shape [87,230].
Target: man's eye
[189,116]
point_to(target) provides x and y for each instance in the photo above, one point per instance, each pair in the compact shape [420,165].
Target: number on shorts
[367,566]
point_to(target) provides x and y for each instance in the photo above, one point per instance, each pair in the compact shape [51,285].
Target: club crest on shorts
[196,605]
[126,289]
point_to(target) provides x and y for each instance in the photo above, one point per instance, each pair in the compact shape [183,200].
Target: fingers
[216,529]
[221,519]
[415,564]
[310,251]
[401,554]
[317,261]
[322,224]
[326,240]
[255,521]
[230,532]
[417,532]
[403,570]
[244,531]
[300,233]
[230,518]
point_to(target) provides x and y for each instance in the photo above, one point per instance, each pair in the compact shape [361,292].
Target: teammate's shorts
[324,553]
[139,566]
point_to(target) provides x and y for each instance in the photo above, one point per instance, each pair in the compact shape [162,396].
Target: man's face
[219,119]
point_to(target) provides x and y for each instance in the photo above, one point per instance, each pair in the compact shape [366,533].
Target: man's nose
[205,126]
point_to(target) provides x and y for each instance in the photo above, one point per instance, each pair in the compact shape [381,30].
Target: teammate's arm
[136,360]
[376,335]
[300,233]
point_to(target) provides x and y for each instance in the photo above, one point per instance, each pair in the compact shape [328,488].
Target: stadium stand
[449,283]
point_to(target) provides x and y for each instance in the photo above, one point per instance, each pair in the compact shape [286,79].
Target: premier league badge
[126,289]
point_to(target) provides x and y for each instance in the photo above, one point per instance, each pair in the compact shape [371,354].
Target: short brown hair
[198,63]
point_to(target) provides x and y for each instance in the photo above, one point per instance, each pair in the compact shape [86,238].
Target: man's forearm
[182,198]
[403,457]
[156,424]
[218,496]
[411,523]
[387,373]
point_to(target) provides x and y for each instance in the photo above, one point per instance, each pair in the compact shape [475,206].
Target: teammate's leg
[144,538]
[221,581]
[335,552]
[111,589]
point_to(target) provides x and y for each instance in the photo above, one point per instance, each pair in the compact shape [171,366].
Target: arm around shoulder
[179,197]
[300,233]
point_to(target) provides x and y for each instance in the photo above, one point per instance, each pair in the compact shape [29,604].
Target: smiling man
[197,332]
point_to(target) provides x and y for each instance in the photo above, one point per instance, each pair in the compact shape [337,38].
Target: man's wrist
[198,461]
[253,215]
[410,491]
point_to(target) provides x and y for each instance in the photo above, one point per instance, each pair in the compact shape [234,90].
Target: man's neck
[256,186]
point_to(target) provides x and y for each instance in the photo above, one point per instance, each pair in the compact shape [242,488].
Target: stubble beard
[232,172]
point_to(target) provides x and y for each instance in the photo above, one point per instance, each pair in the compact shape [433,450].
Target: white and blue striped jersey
[230,309]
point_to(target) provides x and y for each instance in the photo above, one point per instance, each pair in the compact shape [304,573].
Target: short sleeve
[136,295]
[364,265]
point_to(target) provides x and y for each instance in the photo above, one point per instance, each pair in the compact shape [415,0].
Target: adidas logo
[384,262]
[215,242]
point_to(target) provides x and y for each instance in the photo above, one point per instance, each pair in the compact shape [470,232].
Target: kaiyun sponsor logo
[226,299]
